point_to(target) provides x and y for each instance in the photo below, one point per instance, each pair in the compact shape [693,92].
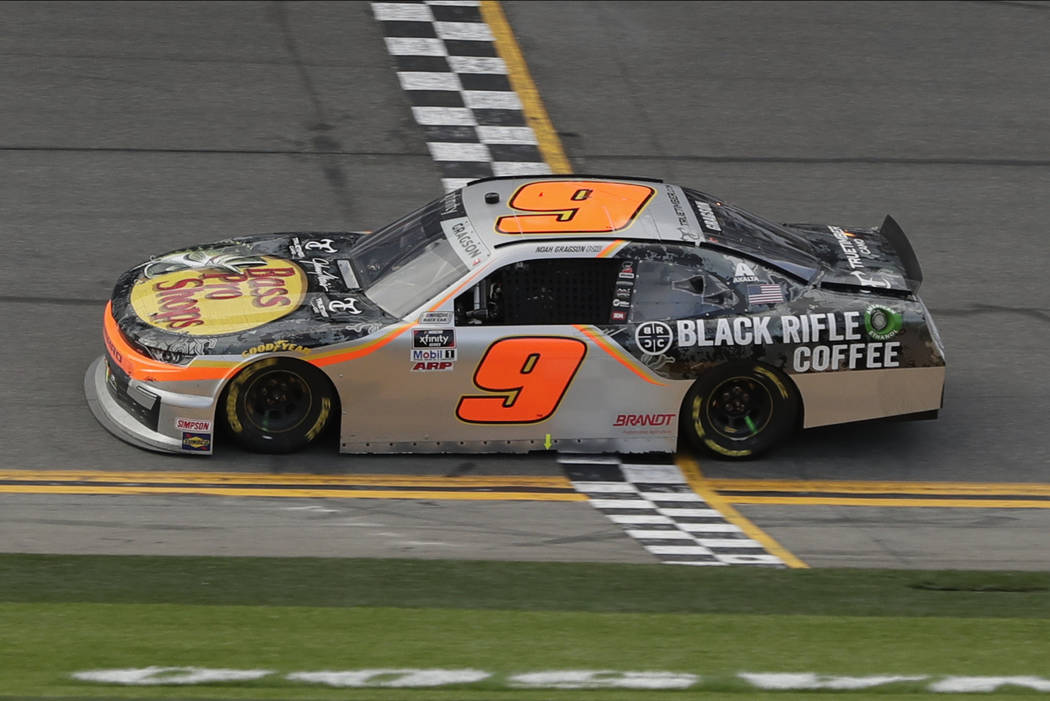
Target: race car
[570,313]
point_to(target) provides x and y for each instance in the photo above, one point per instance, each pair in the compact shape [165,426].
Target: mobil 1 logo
[433,349]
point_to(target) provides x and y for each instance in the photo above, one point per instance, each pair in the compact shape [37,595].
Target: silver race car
[570,313]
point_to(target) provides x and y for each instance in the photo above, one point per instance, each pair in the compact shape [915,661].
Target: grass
[61,614]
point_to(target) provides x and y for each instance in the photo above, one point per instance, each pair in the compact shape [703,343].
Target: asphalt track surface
[132,128]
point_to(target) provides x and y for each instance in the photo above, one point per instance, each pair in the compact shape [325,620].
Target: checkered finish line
[460,91]
[656,506]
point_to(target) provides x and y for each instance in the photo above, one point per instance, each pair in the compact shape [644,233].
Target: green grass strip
[320,582]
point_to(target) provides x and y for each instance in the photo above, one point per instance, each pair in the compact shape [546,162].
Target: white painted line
[605,487]
[456,151]
[678,550]
[621,504]
[402,12]
[463,31]
[520,168]
[676,497]
[444,116]
[491,100]
[455,183]
[661,535]
[729,543]
[709,527]
[478,64]
[698,513]
[415,46]
[421,80]
[507,135]
[667,474]
[639,518]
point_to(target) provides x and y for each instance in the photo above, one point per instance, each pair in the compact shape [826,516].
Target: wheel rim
[739,408]
[277,401]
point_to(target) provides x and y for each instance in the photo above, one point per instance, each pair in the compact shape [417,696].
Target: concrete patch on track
[470,92]
[656,506]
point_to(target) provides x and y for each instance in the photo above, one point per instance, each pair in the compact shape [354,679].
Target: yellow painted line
[293,493]
[874,501]
[875,487]
[521,81]
[217,478]
[691,470]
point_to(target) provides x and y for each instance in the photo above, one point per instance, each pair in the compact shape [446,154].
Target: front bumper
[140,415]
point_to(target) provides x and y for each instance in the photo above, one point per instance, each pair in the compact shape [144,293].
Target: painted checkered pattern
[459,90]
[656,506]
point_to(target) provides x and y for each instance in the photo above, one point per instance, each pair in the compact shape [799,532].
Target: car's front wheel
[740,410]
[278,405]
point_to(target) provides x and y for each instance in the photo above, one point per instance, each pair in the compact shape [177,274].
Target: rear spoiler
[894,235]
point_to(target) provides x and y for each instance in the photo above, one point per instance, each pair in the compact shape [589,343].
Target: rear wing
[894,235]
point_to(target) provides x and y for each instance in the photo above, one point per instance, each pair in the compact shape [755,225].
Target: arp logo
[432,366]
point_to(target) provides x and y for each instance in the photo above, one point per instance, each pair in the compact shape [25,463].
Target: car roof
[506,210]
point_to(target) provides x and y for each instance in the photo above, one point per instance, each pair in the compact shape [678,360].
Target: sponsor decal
[403,678]
[319,268]
[211,301]
[300,249]
[197,442]
[853,246]
[419,354]
[433,338]
[465,240]
[744,273]
[618,315]
[275,347]
[433,366]
[764,294]
[626,271]
[436,319]
[683,227]
[707,217]
[198,425]
[200,259]
[349,279]
[644,420]
[825,328]
[881,322]
[868,281]
[654,337]
[570,248]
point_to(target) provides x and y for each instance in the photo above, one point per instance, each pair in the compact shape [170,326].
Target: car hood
[288,291]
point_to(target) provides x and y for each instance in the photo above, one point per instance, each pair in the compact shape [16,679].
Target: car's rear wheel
[278,405]
[740,410]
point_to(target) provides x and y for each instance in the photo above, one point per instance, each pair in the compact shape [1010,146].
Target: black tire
[278,405]
[740,410]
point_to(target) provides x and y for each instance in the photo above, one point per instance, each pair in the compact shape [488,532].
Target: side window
[543,292]
[682,289]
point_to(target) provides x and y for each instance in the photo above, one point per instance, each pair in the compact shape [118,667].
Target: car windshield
[404,264]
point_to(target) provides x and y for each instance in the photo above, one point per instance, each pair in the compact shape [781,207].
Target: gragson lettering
[178,299]
[644,419]
[833,332]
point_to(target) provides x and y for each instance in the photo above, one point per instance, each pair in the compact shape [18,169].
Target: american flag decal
[764,294]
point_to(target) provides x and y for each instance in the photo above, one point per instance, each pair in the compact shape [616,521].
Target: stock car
[571,313]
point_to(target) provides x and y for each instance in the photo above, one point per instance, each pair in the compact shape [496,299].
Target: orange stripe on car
[338,356]
[147,369]
[611,248]
[620,357]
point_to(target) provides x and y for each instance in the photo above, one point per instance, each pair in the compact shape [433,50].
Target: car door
[521,359]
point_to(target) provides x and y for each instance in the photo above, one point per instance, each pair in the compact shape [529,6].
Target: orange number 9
[529,376]
[574,206]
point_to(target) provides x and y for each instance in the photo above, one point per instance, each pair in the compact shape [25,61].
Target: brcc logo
[654,337]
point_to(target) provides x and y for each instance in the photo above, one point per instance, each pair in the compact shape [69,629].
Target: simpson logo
[196,425]
[198,442]
[433,338]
